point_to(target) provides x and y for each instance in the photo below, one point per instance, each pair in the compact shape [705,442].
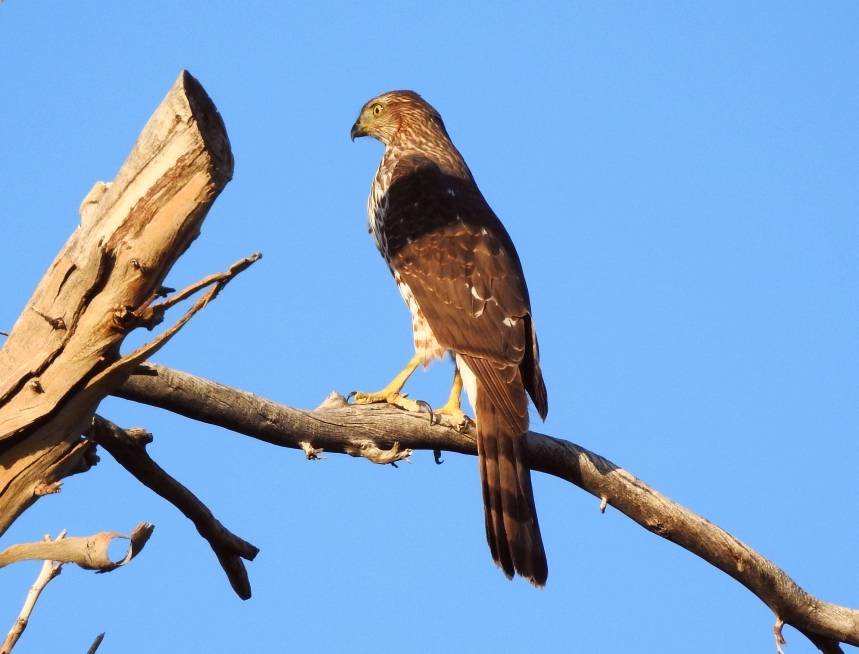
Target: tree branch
[49,570]
[89,552]
[128,447]
[342,428]
[95,644]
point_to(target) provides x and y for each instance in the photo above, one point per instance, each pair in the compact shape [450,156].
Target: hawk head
[396,116]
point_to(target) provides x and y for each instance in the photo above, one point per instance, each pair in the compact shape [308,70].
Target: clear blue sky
[681,182]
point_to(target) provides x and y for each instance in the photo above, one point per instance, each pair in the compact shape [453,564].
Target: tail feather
[512,529]
[493,503]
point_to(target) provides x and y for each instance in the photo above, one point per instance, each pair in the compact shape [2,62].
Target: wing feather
[447,244]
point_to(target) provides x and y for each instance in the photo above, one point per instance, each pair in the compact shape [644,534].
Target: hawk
[460,276]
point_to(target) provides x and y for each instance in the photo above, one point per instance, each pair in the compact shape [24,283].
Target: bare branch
[217,282]
[129,449]
[89,552]
[337,427]
[49,570]
[95,644]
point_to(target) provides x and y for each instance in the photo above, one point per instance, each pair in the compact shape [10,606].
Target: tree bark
[366,430]
[62,356]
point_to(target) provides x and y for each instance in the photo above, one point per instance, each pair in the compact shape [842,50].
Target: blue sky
[680,181]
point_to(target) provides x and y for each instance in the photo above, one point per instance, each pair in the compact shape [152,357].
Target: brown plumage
[459,273]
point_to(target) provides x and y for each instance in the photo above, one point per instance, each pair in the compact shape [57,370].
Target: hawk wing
[448,246]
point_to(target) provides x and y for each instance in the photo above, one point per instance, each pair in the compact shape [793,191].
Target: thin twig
[219,280]
[777,634]
[216,283]
[95,644]
[49,570]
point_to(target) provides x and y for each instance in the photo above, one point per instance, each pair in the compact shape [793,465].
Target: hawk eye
[377,109]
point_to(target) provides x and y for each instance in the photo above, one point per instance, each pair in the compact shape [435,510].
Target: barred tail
[512,529]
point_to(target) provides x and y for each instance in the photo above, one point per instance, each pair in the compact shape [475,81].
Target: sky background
[680,180]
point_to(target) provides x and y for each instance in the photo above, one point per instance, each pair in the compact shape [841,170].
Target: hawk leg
[391,393]
[453,408]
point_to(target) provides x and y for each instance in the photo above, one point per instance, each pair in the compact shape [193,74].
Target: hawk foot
[396,399]
[455,416]
[453,409]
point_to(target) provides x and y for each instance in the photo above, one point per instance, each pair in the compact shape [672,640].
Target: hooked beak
[357,131]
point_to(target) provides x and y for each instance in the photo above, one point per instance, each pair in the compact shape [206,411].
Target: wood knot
[55,323]
[123,318]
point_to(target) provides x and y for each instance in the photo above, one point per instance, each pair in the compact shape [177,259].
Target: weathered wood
[129,449]
[338,427]
[60,359]
[89,552]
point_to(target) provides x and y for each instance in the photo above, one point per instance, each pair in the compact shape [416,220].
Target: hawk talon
[426,407]
[459,420]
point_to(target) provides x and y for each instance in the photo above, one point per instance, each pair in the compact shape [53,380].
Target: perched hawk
[460,276]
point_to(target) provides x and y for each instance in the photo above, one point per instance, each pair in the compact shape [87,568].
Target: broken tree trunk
[63,354]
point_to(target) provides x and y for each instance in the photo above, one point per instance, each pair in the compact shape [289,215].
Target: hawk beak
[357,130]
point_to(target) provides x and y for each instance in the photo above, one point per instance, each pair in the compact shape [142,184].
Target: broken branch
[95,644]
[129,449]
[89,552]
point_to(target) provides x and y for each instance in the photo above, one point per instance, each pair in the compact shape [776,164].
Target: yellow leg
[391,393]
[453,408]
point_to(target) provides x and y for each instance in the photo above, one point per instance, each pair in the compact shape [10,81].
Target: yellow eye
[377,109]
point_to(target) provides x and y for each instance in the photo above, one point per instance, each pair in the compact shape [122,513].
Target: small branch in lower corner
[50,570]
[95,644]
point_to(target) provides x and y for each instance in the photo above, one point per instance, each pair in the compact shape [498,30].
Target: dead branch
[128,447]
[340,428]
[62,356]
[89,552]
[49,570]
[95,644]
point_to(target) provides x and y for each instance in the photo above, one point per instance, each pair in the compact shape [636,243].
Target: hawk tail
[512,529]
